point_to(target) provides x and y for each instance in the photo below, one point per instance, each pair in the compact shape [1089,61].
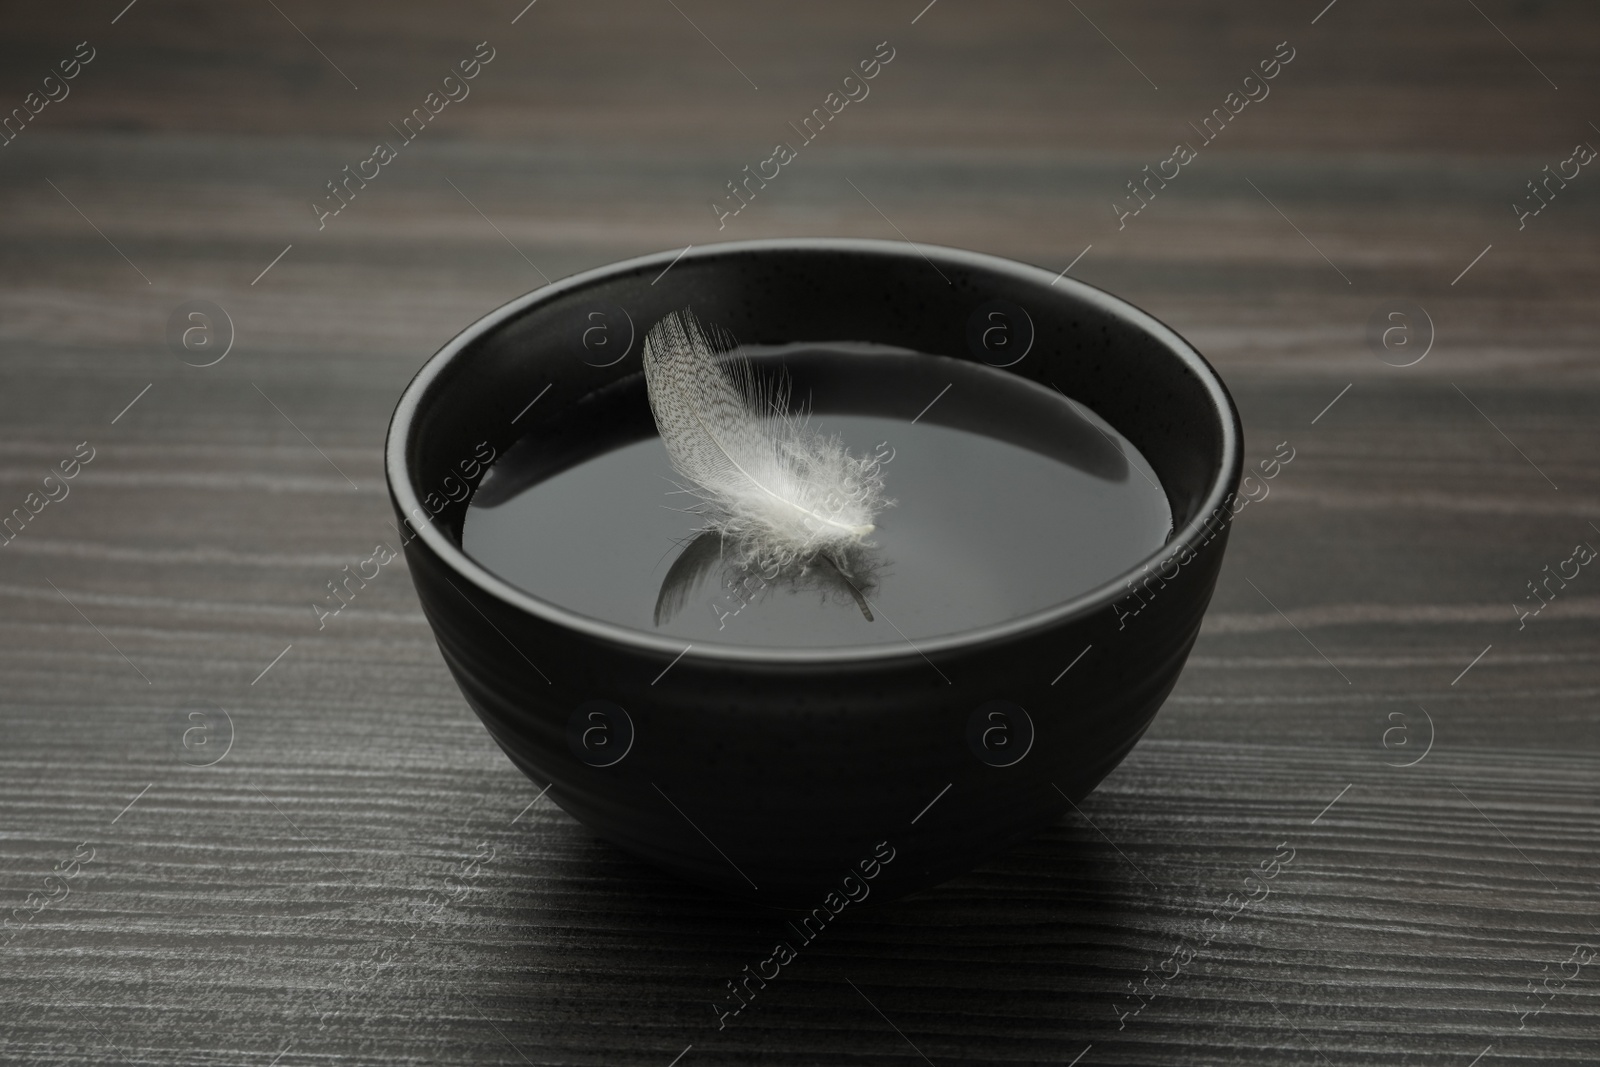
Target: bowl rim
[402,425]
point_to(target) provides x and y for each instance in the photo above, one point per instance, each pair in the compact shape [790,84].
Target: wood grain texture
[365,879]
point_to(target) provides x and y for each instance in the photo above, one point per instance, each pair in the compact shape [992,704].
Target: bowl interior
[1126,366]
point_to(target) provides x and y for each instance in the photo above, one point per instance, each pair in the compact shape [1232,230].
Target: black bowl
[792,776]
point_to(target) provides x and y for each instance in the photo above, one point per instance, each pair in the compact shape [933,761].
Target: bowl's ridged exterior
[796,771]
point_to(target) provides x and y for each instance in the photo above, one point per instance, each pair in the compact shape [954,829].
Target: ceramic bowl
[810,777]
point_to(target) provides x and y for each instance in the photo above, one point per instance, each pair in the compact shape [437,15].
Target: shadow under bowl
[804,776]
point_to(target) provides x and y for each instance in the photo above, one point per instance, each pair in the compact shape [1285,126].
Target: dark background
[364,877]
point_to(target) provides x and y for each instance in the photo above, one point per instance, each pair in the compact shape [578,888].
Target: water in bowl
[1009,498]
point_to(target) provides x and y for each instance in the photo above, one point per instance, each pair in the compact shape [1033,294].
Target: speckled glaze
[772,774]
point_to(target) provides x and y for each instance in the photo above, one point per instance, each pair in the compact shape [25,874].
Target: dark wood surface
[364,878]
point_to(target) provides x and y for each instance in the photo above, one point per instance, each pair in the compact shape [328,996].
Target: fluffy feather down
[778,491]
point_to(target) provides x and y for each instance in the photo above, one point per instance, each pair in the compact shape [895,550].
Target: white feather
[778,491]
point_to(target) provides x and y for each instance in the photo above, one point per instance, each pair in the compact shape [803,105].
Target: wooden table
[363,878]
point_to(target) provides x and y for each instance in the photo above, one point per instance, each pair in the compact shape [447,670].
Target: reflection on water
[847,572]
